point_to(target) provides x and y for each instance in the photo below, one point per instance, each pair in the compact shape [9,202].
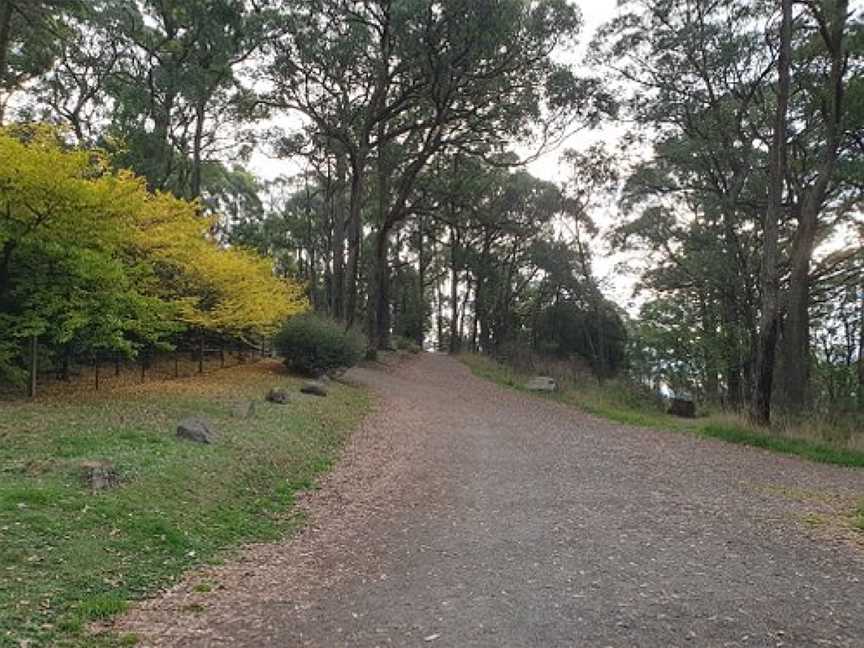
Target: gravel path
[464,514]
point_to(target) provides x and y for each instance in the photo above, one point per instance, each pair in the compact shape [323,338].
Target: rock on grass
[542,384]
[243,409]
[314,388]
[196,429]
[279,395]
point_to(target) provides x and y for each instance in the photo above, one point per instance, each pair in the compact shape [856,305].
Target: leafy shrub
[406,344]
[314,345]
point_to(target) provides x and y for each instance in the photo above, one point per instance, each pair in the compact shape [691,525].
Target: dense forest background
[737,186]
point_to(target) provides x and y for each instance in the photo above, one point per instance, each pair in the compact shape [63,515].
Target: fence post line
[34,365]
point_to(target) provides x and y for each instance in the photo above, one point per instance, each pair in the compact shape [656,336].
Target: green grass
[69,557]
[801,447]
[621,404]
[610,401]
[858,518]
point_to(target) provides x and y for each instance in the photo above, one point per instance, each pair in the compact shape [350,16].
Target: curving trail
[464,514]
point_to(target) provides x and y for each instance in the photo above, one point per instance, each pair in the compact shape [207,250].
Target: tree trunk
[354,235]
[795,344]
[34,366]
[380,302]
[164,162]
[380,333]
[439,308]
[421,280]
[197,142]
[481,307]
[454,291]
[760,406]
[5,34]
[796,328]
[709,333]
[464,309]
[861,351]
[64,367]
[731,352]
[339,213]
[474,323]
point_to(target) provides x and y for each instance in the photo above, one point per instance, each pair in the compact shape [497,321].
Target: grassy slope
[617,404]
[68,557]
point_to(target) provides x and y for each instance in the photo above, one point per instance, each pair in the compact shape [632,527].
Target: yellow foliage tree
[230,291]
[90,259]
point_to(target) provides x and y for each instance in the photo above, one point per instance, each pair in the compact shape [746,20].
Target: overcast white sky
[594,14]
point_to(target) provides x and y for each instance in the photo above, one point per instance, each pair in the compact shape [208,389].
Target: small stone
[196,429]
[243,409]
[315,388]
[542,384]
[279,395]
[100,475]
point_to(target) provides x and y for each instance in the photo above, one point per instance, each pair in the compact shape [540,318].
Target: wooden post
[222,355]
[201,355]
[143,366]
[34,365]
[96,371]
[176,366]
[116,365]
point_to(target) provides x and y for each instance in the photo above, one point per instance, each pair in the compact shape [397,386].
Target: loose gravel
[464,514]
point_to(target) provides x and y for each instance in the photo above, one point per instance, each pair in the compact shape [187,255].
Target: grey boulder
[196,429]
[683,407]
[542,384]
[279,395]
[315,388]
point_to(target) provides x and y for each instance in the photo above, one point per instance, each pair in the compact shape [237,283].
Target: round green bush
[315,345]
[406,344]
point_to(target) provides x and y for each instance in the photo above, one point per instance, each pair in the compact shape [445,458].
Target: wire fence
[71,374]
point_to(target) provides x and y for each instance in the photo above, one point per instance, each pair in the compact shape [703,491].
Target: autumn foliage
[91,262]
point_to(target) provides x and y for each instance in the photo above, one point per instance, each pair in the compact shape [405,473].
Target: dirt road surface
[463,514]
